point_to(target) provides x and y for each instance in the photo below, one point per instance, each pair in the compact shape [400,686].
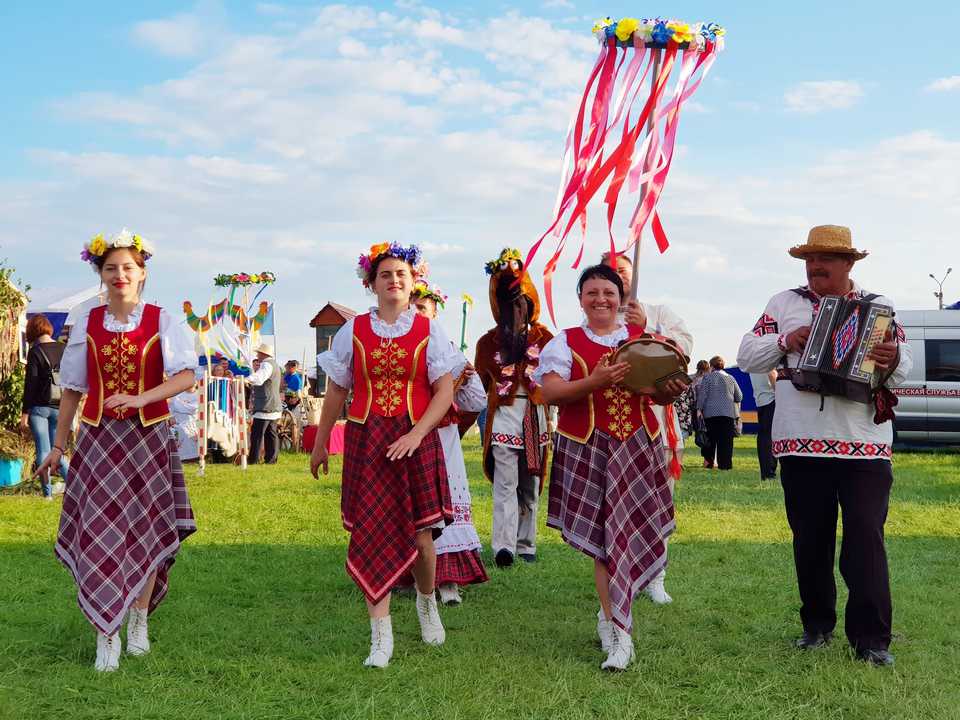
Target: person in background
[224,366]
[266,407]
[718,401]
[763,394]
[707,450]
[41,394]
[292,378]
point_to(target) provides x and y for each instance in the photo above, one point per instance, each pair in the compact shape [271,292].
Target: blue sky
[289,136]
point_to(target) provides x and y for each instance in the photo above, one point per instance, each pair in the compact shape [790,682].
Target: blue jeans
[43,425]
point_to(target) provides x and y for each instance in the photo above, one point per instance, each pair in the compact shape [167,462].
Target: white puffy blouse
[176,343]
[442,358]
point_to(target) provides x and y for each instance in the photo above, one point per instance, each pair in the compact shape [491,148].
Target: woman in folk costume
[515,433]
[662,320]
[609,490]
[458,548]
[395,497]
[126,509]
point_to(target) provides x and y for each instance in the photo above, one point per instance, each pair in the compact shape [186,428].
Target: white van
[929,400]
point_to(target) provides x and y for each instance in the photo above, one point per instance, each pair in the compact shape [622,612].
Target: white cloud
[549,4]
[817,96]
[181,36]
[945,84]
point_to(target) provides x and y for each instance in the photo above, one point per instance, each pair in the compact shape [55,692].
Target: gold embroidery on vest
[388,371]
[618,407]
[119,366]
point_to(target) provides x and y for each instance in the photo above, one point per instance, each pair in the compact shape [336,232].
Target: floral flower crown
[410,254]
[507,255]
[98,245]
[422,289]
[263,278]
[659,32]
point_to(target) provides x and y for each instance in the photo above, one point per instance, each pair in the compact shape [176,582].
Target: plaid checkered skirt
[124,515]
[385,503]
[611,500]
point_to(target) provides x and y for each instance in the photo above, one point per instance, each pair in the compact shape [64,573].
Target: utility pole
[939,294]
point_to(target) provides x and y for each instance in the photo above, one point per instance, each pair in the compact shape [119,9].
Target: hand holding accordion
[848,351]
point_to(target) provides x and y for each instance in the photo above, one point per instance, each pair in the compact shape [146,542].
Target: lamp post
[939,294]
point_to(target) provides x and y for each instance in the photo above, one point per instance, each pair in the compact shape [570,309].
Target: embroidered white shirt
[337,362]
[176,343]
[843,428]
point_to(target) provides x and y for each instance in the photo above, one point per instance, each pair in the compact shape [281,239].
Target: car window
[943,360]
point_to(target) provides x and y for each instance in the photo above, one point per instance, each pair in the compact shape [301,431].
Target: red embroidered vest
[615,410]
[389,375]
[128,363]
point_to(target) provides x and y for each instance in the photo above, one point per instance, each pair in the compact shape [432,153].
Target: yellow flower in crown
[626,27]
[98,246]
[138,242]
[681,31]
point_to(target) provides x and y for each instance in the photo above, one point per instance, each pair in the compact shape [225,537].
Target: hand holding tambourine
[657,366]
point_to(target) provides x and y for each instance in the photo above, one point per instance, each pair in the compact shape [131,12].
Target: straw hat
[265,349]
[828,239]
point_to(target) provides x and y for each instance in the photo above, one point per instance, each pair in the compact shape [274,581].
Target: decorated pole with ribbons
[611,144]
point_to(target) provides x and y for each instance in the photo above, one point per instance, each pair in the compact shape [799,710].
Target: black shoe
[813,640]
[879,658]
[526,557]
[504,558]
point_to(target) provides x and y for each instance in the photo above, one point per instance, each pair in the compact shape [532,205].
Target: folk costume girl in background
[609,491]
[126,509]
[458,548]
[395,497]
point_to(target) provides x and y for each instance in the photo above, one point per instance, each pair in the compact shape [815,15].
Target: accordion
[836,358]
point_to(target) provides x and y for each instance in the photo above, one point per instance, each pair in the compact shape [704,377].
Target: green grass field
[262,621]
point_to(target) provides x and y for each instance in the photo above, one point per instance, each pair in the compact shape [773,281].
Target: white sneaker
[381,642]
[137,641]
[431,629]
[59,488]
[108,652]
[621,650]
[655,590]
[450,594]
[604,631]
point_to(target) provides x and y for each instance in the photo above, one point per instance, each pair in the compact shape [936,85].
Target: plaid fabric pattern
[462,568]
[124,515]
[611,500]
[384,504]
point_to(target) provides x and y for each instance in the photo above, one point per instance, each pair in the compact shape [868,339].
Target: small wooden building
[330,319]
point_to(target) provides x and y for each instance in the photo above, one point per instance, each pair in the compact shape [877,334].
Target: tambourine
[654,361]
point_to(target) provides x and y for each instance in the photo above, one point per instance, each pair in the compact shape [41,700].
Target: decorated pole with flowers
[620,142]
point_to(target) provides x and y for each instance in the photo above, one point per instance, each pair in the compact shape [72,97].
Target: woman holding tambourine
[609,492]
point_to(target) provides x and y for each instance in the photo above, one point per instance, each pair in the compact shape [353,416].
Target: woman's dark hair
[100,261]
[604,272]
[375,266]
[37,326]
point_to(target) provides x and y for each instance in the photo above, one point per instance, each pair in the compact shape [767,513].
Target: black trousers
[768,463]
[813,488]
[720,429]
[264,432]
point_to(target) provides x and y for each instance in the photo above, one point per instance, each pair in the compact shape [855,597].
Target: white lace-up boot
[655,590]
[604,631]
[381,642]
[450,594]
[137,641]
[621,650]
[108,652]
[431,629]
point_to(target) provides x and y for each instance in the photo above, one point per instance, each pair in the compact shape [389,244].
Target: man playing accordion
[834,452]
